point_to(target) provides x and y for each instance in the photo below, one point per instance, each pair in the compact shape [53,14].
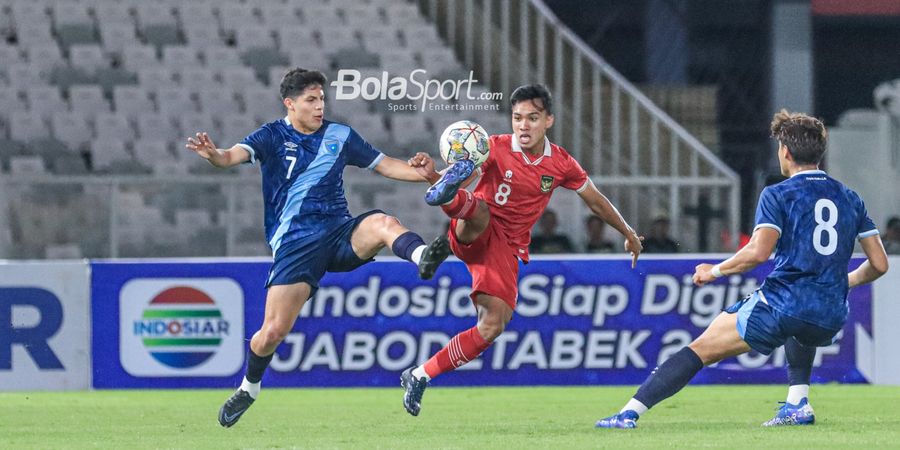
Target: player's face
[307,109]
[530,123]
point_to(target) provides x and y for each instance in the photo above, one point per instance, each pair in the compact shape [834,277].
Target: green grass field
[859,417]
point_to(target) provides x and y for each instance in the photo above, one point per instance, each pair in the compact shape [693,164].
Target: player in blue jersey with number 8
[815,222]
[308,226]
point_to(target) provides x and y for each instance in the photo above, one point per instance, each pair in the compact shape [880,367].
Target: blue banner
[578,322]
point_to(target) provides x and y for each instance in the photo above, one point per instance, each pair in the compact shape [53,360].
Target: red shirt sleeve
[575,176]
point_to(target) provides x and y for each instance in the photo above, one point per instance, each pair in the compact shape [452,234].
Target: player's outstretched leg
[415,388]
[445,189]
[435,253]
[246,394]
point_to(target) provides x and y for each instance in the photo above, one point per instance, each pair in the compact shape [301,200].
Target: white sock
[635,406]
[797,392]
[251,388]
[417,254]
[419,372]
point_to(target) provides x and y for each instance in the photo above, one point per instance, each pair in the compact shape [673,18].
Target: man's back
[819,220]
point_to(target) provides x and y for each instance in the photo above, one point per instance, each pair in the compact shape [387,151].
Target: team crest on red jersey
[546,183]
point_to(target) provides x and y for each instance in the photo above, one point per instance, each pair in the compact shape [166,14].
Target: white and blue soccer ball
[465,140]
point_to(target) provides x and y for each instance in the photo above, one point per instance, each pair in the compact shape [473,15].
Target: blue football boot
[624,419]
[788,414]
[446,187]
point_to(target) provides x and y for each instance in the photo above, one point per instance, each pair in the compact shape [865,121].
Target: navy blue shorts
[307,259]
[765,328]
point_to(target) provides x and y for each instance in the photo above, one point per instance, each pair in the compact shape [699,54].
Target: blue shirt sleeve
[259,144]
[769,212]
[866,226]
[360,153]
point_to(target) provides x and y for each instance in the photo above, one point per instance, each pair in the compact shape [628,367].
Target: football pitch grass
[860,417]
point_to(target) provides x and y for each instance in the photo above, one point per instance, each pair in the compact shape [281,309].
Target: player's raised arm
[872,268]
[603,208]
[222,158]
[756,252]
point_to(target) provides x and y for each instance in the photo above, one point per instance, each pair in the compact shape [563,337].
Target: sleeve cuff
[866,234]
[768,225]
[250,150]
[376,161]
[583,186]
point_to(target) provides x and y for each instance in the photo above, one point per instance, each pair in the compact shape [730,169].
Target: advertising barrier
[578,322]
[44,326]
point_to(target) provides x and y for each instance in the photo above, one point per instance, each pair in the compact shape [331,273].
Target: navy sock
[800,361]
[405,244]
[256,365]
[669,378]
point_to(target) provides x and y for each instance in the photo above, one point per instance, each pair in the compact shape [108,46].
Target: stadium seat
[24,74]
[376,39]
[400,60]
[276,16]
[178,56]
[111,13]
[63,251]
[309,58]
[45,100]
[253,38]
[261,59]
[155,76]
[360,16]
[343,110]
[421,36]
[188,220]
[403,14]
[290,39]
[322,16]
[65,76]
[233,128]
[27,165]
[87,57]
[195,12]
[137,57]
[157,24]
[111,77]
[67,164]
[262,103]
[156,126]
[73,24]
[11,100]
[87,99]
[439,60]
[72,129]
[106,151]
[201,37]
[276,73]
[410,129]
[148,150]
[221,57]
[238,77]
[45,55]
[336,39]
[236,16]
[131,101]
[371,128]
[10,54]
[116,36]
[190,125]
[197,77]
[215,99]
[172,101]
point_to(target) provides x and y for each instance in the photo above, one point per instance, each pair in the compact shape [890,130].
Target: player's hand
[424,165]
[634,246]
[703,274]
[203,146]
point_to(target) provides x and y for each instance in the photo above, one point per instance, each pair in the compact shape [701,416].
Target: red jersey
[517,186]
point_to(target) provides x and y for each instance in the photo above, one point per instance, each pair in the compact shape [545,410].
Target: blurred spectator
[548,240]
[658,240]
[595,229]
[891,237]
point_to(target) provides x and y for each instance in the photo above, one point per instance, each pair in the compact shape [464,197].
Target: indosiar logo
[181,327]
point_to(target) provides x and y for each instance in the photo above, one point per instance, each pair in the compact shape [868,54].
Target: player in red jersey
[491,228]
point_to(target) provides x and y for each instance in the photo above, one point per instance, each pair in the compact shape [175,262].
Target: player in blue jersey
[302,159]
[815,222]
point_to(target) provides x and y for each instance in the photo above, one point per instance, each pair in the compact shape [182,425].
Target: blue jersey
[819,220]
[302,175]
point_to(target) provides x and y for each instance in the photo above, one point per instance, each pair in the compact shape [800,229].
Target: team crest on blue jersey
[546,183]
[331,146]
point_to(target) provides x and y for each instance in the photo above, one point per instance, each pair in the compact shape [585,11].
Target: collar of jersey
[287,121]
[809,172]
[516,148]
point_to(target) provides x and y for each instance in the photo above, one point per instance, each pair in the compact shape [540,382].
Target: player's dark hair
[893,222]
[533,92]
[297,80]
[804,136]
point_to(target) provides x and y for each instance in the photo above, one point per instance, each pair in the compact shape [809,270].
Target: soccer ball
[465,140]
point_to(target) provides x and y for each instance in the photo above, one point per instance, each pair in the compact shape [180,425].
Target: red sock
[463,348]
[462,206]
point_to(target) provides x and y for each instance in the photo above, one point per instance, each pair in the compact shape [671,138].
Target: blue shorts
[765,328]
[307,259]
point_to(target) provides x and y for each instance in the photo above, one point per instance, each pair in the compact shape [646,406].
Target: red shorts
[491,261]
